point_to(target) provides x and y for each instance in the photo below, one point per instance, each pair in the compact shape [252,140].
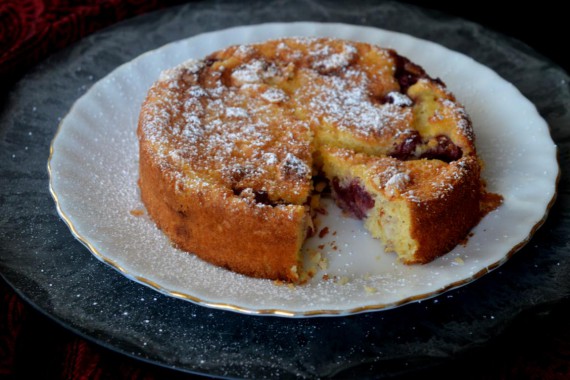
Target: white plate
[94,170]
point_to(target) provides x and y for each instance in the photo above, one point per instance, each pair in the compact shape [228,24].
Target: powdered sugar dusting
[463,121]
[189,67]
[246,125]
[249,73]
[345,103]
[293,164]
[399,99]
[275,95]
[325,59]
[225,133]
[397,183]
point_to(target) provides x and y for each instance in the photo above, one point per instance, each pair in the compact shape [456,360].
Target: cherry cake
[235,148]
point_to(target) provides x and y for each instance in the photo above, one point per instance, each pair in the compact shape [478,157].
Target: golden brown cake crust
[229,144]
[443,220]
[224,231]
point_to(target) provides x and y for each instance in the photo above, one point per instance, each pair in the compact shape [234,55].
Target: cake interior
[387,220]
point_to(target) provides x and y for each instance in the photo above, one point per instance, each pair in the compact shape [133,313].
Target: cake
[235,149]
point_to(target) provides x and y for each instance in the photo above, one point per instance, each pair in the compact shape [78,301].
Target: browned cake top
[248,119]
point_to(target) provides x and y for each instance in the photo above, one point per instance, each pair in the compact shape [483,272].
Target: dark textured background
[518,313]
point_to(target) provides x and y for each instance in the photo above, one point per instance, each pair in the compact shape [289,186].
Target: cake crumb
[458,261]
[137,212]
[315,256]
[323,264]
[323,232]
[370,289]
[305,276]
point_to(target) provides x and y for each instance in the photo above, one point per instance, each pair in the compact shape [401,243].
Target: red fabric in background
[32,346]
[30,30]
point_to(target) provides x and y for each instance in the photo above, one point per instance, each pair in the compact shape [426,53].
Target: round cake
[236,149]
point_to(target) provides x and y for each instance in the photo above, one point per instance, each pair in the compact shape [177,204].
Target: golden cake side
[256,240]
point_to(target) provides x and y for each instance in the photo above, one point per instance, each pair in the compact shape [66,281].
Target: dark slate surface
[54,272]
